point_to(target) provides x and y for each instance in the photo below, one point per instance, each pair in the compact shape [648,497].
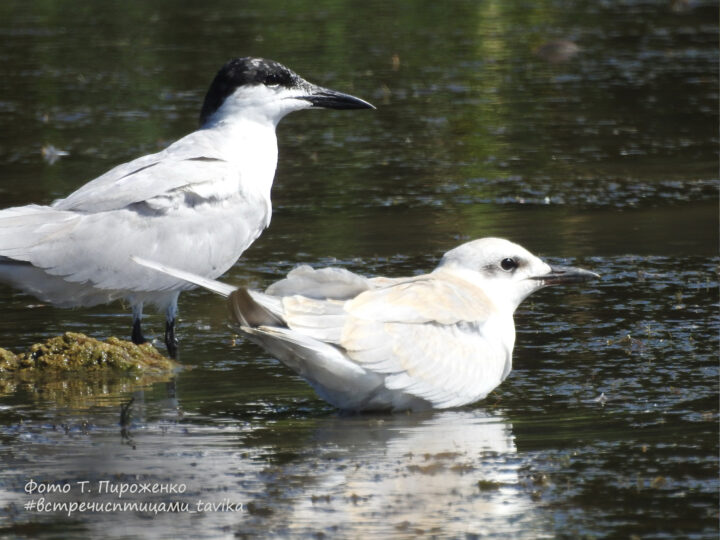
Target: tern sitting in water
[437,340]
[198,204]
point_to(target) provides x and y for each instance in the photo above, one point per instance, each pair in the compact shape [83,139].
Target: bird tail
[248,308]
[218,287]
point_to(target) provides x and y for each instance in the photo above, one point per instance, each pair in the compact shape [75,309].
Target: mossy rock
[78,352]
[8,361]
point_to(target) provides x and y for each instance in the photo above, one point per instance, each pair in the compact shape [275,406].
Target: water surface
[608,424]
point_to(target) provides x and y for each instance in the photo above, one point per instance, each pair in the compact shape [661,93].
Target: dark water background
[608,424]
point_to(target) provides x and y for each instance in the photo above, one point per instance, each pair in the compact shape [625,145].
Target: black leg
[171,341]
[137,336]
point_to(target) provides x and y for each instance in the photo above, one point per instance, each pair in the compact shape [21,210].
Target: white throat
[252,146]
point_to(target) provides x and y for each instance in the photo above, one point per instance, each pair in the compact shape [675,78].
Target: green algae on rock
[78,352]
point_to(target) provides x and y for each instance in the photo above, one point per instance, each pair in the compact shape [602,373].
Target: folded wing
[189,165]
[427,335]
[323,283]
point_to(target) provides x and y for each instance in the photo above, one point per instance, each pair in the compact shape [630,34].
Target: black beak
[566,274]
[330,99]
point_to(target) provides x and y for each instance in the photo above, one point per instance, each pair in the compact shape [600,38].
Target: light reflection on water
[452,471]
[538,448]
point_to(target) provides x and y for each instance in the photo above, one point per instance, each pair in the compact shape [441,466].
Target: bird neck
[251,144]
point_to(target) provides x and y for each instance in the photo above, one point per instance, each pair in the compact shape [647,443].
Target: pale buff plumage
[438,340]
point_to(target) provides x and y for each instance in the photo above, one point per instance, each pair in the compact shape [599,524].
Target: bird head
[507,272]
[267,90]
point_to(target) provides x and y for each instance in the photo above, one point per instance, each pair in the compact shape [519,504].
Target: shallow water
[608,424]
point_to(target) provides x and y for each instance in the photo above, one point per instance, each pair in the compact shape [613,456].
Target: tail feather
[248,308]
[223,289]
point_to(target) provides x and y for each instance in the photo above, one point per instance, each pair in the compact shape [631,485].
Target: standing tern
[437,340]
[198,204]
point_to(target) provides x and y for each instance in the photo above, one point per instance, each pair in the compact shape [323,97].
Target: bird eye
[508,264]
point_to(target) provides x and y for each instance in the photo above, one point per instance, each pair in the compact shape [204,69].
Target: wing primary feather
[247,312]
[138,170]
[204,158]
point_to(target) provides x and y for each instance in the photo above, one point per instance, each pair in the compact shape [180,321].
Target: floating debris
[658,482]
[395,62]
[488,485]
[680,6]
[51,154]
[560,50]
[430,470]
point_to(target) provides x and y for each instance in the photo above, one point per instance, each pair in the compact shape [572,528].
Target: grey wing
[324,283]
[96,247]
[189,164]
